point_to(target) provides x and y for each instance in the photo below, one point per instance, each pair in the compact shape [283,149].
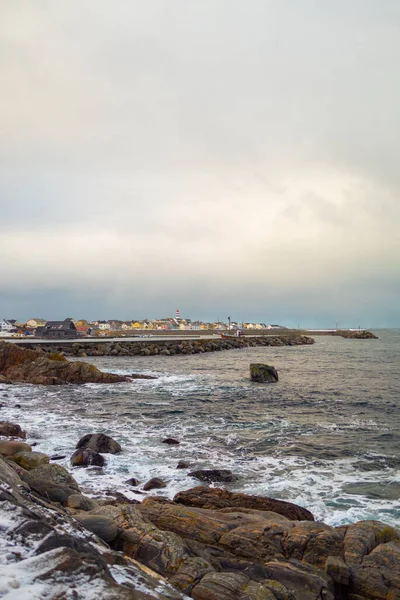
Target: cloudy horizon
[223,158]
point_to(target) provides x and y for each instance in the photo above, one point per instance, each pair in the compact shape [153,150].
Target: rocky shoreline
[207,543]
[172,348]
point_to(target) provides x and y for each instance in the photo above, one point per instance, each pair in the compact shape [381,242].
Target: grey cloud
[204,145]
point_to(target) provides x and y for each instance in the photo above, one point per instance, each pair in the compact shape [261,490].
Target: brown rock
[11,430]
[221,586]
[154,483]
[214,475]
[30,460]
[20,365]
[85,457]
[263,373]
[215,498]
[102,526]
[80,502]
[56,474]
[9,447]
[99,442]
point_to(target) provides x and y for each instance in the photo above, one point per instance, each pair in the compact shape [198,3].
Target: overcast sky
[218,156]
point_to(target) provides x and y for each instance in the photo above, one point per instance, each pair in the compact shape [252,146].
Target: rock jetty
[356,335]
[20,365]
[206,543]
[171,347]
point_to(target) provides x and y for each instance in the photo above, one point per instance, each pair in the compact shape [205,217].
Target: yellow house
[137,325]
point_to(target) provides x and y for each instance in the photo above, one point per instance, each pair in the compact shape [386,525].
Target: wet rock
[183,464]
[53,492]
[80,502]
[57,457]
[85,457]
[30,460]
[99,442]
[133,481]
[8,429]
[9,447]
[220,586]
[216,498]
[214,475]
[102,526]
[263,373]
[337,569]
[154,483]
[310,583]
[56,474]
[20,365]
[141,376]
[170,441]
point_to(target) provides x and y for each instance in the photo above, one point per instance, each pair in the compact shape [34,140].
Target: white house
[104,326]
[5,326]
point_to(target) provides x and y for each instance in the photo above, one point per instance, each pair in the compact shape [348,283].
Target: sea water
[326,436]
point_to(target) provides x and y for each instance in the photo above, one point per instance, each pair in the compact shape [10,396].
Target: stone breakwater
[172,348]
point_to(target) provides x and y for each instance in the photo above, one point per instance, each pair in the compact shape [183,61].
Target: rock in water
[213,475]
[154,484]
[99,442]
[263,373]
[85,457]
[11,430]
[19,365]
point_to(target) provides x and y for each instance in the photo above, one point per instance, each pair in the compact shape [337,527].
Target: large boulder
[85,457]
[263,373]
[99,442]
[217,498]
[8,429]
[10,447]
[30,460]
[56,474]
[20,365]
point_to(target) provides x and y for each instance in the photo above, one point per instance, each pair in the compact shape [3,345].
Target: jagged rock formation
[19,365]
[129,551]
[263,373]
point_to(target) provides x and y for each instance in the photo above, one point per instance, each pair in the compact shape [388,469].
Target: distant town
[71,328]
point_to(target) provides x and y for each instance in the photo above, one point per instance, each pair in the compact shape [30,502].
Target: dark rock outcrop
[85,457]
[8,429]
[11,447]
[19,365]
[214,475]
[99,442]
[154,484]
[216,498]
[170,442]
[263,373]
[30,460]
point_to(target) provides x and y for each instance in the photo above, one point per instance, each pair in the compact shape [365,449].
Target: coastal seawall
[149,347]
